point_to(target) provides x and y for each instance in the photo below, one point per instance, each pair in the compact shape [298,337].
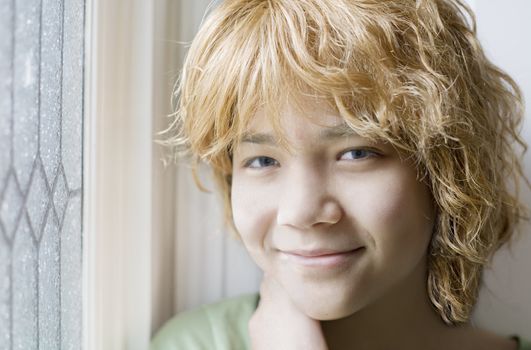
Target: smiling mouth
[321,259]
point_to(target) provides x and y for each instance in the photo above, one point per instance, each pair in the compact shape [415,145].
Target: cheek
[249,207]
[253,215]
[395,211]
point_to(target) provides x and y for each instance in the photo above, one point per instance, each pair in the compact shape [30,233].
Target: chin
[323,313]
[325,307]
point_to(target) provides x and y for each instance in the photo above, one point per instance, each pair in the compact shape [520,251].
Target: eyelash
[371,154]
[248,163]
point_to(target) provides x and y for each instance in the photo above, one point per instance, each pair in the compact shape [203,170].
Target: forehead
[309,123]
[296,116]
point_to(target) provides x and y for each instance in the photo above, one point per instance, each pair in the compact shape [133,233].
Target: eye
[260,162]
[359,153]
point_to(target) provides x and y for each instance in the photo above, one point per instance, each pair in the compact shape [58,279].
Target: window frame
[117,163]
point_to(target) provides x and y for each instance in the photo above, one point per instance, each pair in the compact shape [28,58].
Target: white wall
[505,301]
[211,266]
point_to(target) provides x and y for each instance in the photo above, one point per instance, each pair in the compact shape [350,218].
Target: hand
[279,324]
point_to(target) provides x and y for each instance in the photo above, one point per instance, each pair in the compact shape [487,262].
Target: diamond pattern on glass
[10,208]
[38,199]
[60,194]
[35,304]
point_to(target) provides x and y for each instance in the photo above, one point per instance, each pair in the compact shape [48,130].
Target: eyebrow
[258,138]
[336,132]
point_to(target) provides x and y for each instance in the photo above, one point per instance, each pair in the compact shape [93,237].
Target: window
[41,99]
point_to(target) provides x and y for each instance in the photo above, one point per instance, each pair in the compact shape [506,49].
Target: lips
[322,258]
[318,252]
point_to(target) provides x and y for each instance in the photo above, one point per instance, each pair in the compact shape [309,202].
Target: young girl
[364,152]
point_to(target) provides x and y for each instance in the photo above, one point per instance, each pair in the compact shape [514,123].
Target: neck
[401,319]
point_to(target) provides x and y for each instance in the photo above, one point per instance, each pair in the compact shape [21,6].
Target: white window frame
[117,221]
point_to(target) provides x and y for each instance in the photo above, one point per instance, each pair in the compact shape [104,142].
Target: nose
[306,201]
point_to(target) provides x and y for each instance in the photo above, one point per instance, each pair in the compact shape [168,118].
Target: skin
[337,190]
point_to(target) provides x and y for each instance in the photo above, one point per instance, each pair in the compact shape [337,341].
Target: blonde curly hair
[409,72]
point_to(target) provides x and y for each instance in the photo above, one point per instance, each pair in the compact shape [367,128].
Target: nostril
[332,212]
[306,215]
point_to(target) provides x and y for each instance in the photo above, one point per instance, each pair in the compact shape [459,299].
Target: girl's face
[332,191]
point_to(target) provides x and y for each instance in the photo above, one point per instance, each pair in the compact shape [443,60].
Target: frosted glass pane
[41,80]
[71,276]
[24,289]
[5,302]
[11,206]
[38,198]
[6,81]
[60,195]
[51,74]
[26,88]
[49,286]
[72,92]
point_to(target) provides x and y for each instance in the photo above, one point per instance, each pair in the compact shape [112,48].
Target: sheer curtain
[194,259]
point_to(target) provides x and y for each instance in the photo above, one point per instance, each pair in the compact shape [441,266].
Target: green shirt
[219,326]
